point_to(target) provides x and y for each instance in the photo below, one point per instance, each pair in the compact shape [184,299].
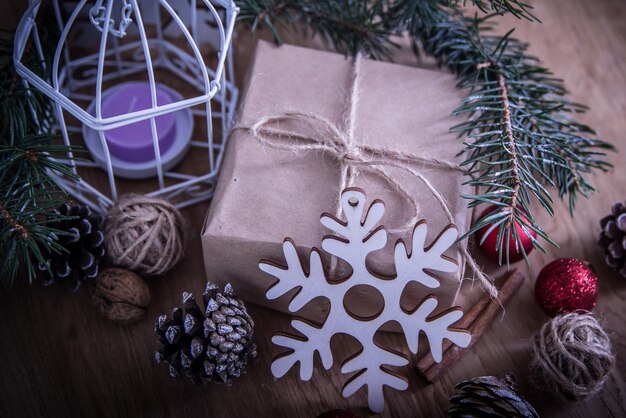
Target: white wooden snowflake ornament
[360,239]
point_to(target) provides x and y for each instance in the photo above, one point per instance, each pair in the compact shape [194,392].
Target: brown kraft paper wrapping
[264,195]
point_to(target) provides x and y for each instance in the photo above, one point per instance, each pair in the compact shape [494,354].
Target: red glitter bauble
[490,248]
[566,285]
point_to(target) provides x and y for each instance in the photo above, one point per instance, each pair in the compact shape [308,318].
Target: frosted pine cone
[613,238]
[84,245]
[212,345]
[489,396]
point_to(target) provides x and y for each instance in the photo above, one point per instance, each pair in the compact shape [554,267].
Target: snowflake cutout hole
[356,239]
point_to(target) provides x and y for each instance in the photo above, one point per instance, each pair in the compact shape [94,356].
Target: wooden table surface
[58,357]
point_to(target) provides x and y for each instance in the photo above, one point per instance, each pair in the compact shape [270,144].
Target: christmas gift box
[308,120]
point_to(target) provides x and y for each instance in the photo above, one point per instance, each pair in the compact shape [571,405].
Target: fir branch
[29,154]
[13,224]
[521,133]
[501,7]
[511,147]
[24,232]
[520,128]
[351,27]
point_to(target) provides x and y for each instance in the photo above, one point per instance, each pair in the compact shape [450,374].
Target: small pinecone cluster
[211,344]
[84,245]
[489,396]
[613,238]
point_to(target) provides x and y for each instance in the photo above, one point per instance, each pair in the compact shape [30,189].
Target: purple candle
[133,143]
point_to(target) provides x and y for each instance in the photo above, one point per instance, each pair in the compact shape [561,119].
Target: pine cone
[212,345]
[613,239]
[489,396]
[84,245]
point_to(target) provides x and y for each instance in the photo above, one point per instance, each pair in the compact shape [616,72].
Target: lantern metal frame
[213,85]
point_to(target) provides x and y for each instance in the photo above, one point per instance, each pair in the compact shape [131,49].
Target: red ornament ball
[490,248]
[566,285]
[338,413]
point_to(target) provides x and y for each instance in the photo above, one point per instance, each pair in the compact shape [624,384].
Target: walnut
[121,295]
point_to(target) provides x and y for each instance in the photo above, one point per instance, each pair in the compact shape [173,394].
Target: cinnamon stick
[476,321]
[466,321]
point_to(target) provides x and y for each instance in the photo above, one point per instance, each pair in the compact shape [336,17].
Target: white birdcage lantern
[145,86]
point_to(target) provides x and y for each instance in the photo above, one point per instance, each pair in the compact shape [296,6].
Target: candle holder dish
[103,44]
[170,156]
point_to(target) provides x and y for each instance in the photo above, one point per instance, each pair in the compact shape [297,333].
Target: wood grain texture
[58,357]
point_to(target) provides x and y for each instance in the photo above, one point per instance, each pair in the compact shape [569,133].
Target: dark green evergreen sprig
[350,26]
[521,137]
[521,134]
[28,194]
[501,7]
[24,233]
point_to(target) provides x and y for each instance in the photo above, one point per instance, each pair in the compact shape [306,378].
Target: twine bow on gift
[352,157]
[323,135]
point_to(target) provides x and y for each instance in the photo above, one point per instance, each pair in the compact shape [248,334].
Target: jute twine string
[144,234]
[572,356]
[354,157]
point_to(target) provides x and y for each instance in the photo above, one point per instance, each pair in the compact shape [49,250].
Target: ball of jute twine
[572,356]
[144,234]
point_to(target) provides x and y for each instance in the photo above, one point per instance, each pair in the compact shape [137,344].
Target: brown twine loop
[144,234]
[354,158]
[572,356]
[349,156]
